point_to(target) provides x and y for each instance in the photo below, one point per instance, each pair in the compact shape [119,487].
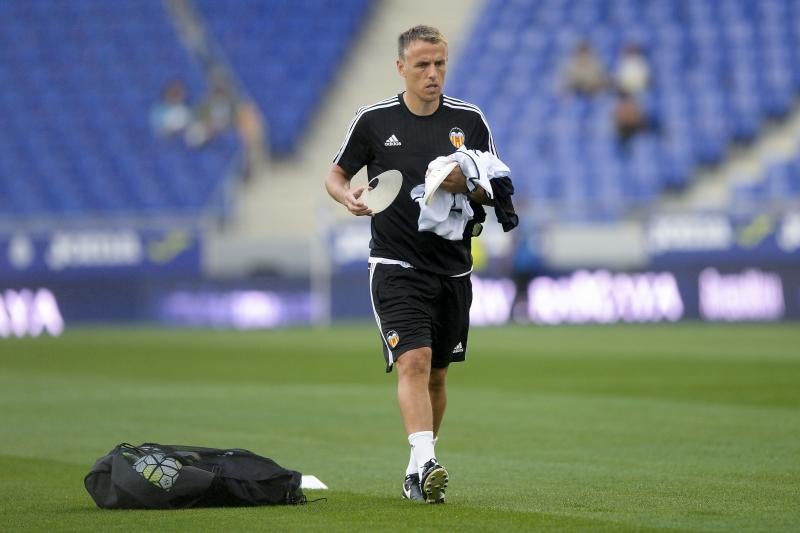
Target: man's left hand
[455,182]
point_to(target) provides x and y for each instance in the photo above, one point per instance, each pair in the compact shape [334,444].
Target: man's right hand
[354,204]
[337,184]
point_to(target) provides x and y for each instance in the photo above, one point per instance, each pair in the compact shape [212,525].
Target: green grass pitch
[684,427]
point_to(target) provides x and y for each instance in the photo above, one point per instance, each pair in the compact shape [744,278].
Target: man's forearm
[336,183]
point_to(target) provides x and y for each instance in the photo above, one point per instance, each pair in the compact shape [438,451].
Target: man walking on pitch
[419,282]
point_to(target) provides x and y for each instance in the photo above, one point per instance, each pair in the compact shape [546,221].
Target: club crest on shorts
[457,137]
[392,338]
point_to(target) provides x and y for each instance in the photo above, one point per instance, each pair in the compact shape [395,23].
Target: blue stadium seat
[719,70]
[285,58]
[781,181]
[78,81]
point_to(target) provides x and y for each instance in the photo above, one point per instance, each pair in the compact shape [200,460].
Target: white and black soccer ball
[158,469]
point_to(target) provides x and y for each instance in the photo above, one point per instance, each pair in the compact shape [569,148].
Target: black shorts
[417,309]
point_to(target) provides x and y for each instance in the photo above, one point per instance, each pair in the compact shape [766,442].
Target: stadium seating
[778,187]
[79,79]
[285,58]
[719,70]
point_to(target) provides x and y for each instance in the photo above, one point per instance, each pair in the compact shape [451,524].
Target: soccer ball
[159,470]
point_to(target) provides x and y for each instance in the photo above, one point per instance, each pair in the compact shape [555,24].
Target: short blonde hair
[418,33]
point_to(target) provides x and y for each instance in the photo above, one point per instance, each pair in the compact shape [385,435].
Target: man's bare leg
[414,397]
[413,377]
[437,388]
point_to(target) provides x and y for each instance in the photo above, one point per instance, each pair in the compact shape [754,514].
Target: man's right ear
[401,67]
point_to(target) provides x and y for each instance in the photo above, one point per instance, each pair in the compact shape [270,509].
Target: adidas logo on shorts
[392,141]
[459,348]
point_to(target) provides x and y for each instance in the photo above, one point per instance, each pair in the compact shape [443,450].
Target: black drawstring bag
[157,476]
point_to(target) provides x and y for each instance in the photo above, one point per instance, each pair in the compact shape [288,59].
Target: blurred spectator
[629,117]
[171,114]
[584,74]
[250,125]
[633,71]
[214,114]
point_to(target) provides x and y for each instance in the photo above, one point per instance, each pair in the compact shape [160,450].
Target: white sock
[412,467]
[421,448]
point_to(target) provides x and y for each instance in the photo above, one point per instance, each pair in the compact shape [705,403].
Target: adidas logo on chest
[392,141]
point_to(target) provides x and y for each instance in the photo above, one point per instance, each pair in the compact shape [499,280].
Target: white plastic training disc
[382,190]
[435,178]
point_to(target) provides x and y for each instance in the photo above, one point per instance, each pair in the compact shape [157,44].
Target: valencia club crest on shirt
[457,137]
[392,338]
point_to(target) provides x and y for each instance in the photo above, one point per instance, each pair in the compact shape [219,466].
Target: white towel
[438,170]
[445,213]
[480,168]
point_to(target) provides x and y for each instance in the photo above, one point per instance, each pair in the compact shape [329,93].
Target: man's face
[424,68]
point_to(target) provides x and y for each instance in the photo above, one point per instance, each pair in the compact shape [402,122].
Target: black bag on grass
[157,476]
